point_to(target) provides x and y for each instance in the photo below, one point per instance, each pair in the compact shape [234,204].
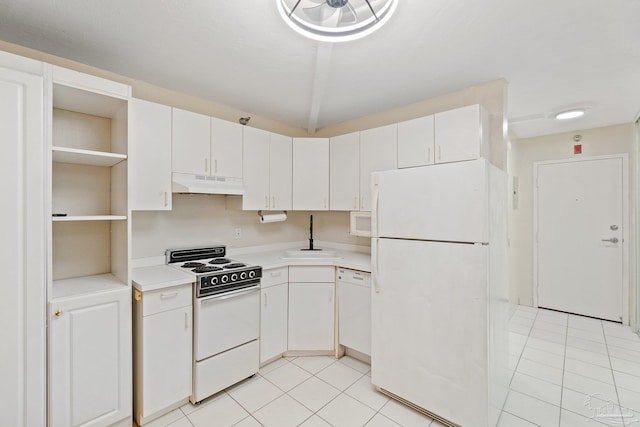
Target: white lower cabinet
[163,351]
[311,308]
[90,359]
[273,321]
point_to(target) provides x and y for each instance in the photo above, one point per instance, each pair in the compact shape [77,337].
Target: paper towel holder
[262,216]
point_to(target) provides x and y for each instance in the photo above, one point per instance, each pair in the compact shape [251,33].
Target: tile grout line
[564,362]
[613,377]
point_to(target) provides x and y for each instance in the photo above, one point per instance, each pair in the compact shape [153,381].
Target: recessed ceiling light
[569,114]
[336,20]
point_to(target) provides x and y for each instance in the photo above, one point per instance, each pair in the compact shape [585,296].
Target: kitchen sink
[302,254]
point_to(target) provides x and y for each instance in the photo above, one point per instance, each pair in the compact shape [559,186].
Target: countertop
[153,277]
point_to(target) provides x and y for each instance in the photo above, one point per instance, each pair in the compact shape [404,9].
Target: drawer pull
[276,274]
[167,295]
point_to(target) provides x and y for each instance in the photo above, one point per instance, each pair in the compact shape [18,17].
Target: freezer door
[447,202]
[429,326]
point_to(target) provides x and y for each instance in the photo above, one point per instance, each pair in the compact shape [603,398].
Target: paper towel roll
[273,218]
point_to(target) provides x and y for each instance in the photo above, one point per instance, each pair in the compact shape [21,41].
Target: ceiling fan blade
[322,15]
[348,15]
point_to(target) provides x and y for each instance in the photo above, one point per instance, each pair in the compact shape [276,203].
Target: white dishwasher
[354,310]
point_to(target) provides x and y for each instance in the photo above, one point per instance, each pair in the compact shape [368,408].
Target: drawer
[274,276]
[166,299]
[312,273]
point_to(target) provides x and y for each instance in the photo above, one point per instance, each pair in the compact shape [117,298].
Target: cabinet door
[273,321]
[149,155]
[90,359]
[415,142]
[311,316]
[311,174]
[280,172]
[460,134]
[22,254]
[166,363]
[378,152]
[344,172]
[226,148]
[191,142]
[255,159]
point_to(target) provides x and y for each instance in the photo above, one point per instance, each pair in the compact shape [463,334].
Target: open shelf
[65,288]
[89,218]
[86,157]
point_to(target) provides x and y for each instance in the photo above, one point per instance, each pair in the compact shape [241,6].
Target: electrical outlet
[238,233]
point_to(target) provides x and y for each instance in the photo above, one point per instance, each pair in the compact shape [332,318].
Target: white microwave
[360,224]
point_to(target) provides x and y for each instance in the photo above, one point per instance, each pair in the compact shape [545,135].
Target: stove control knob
[252,274]
[243,275]
[234,277]
[214,280]
[224,279]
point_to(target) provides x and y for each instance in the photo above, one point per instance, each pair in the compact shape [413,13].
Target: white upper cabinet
[149,155]
[255,159]
[266,170]
[226,148]
[191,144]
[378,152]
[280,171]
[311,174]
[344,172]
[416,142]
[462,134]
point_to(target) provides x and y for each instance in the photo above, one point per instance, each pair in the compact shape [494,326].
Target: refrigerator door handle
[376,200]
[374,250]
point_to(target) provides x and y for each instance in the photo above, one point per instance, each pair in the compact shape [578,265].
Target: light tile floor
[566,371]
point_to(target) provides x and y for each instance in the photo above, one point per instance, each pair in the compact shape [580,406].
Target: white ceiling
[553,53]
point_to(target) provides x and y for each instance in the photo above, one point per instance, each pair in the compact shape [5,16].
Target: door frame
[625,224]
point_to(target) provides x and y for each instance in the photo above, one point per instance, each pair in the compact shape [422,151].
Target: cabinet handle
[166,199]
[325,202]
[168,295]
[206,165]
[266,202]
[330,294]
[355,202]
[58,313]
[273,201]
[439,152]
[276,274]
[361,202]
[428,154]
[186,320]
[215,166]
[265,300]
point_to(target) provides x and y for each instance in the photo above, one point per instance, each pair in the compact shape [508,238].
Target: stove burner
[235,265]
[220,261]
[192,265]
[206,269]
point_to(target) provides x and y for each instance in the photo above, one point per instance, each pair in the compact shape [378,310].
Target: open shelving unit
[89,204]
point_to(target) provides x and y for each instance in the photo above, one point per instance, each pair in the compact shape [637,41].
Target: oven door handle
[230,295]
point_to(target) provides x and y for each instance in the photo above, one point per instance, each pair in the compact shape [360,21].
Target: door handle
[611,240]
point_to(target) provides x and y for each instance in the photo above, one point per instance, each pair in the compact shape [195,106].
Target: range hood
[204,184]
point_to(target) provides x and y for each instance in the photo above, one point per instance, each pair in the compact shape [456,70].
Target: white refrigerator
[439,294]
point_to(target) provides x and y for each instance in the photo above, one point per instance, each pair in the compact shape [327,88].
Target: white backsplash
[198,219]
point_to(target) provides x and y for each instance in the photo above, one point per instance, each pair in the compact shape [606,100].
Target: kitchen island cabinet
[274,299]
[311,308]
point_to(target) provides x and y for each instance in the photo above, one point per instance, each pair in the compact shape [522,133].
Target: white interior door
[580,236]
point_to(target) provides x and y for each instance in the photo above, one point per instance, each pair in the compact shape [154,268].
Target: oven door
[225,321]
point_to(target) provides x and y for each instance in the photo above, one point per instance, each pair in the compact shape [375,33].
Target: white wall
[198,219]
[523,154]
